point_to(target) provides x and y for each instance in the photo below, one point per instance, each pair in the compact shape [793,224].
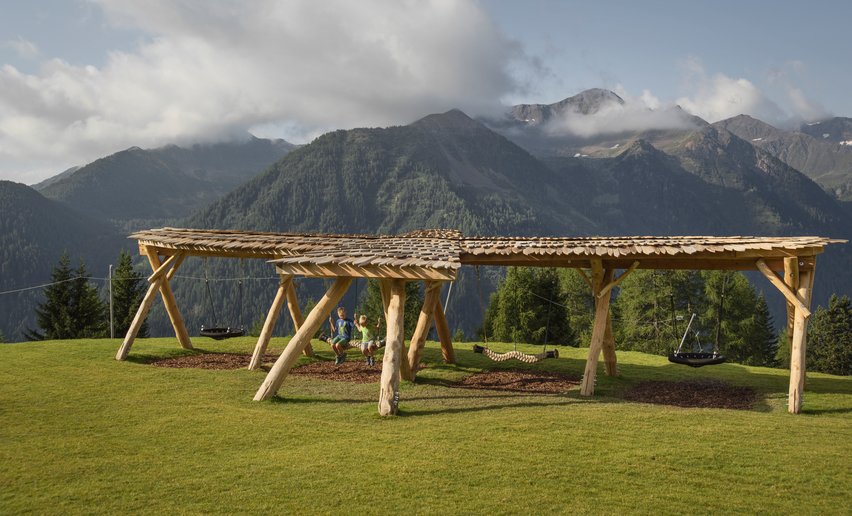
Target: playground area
[434,256]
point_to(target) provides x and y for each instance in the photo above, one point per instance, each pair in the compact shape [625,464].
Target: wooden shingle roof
[438,254]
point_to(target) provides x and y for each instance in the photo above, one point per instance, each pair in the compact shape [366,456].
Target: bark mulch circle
[537,382]
[210,361]
[703,393]
[355,371]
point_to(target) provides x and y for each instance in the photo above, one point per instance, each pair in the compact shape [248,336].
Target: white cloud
[211,70]
[645,112]
[719,96]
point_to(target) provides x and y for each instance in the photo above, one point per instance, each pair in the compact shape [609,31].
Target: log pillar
[799,343]
[141,314]
[385,287]
[296,315]
[791,279]
[421,331]
[269,323]
[297,344]
[610,359]
[599,279]
[394,349]
[169,301]
[444,336]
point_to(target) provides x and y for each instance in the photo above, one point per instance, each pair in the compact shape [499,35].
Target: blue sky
[80,79]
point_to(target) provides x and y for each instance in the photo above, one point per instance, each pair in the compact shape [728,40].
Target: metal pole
[111,318]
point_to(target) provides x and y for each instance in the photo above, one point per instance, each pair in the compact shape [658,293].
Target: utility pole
[111,318]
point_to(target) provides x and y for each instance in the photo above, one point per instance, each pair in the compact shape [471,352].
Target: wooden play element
[696,358]
[515,355]
[435,256]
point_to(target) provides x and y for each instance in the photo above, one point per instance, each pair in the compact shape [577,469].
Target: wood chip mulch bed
[210,361]
[537,382]
[355,371]
[703,393]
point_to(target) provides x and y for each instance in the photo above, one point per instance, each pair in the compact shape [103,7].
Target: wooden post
[169,302]
[791,279]
[288,357]
[424,323]
[799,344]
[269,323]
[394,349]
[444,334]
[296,315]
[598,329]
[610,359]
[385,287]
[140,316]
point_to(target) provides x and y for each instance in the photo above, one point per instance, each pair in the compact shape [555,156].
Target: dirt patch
[538,382]
[704,393]
[355,371]
[210,361]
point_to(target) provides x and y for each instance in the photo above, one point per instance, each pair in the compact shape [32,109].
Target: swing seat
[221,333]
[696,359]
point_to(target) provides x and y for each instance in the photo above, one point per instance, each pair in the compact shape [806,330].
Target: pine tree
[732,307]
[53,315]
[89,314]
[830,338]
[128,289]
[653,307]
[764,339]
[579,303]
[529,307]
[72,308]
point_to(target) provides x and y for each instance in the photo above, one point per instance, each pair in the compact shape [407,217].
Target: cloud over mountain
[210,70]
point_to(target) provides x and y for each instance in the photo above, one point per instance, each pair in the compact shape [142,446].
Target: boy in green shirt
[369,342]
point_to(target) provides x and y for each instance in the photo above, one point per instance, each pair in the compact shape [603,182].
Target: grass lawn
[82,433]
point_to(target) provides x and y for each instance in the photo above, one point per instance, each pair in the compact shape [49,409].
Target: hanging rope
[481,305]
[210,294]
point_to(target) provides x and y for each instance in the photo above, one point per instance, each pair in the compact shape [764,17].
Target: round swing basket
[696,359]
[221,333]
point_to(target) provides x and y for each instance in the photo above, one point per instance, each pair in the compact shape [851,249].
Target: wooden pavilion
[435,257]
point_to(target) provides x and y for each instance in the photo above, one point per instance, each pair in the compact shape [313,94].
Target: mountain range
[503,177]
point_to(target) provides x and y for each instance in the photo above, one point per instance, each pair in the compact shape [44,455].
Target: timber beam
[394,355]
[424,323]
[269,323]
[294,348]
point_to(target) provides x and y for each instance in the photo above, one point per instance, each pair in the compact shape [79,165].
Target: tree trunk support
[296,315]
[394,349]
[297,344]
[160,278]
[386,286]
[444,336]
[169,301]
[791,279]
[799,345]
[600,278]
[269,323]
[424,324]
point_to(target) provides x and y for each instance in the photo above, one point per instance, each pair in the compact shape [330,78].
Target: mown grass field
[82,433]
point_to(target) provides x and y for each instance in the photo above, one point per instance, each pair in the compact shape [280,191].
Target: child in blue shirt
[342,335]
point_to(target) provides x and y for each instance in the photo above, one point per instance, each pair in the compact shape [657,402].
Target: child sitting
[340,341]
[369,342]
